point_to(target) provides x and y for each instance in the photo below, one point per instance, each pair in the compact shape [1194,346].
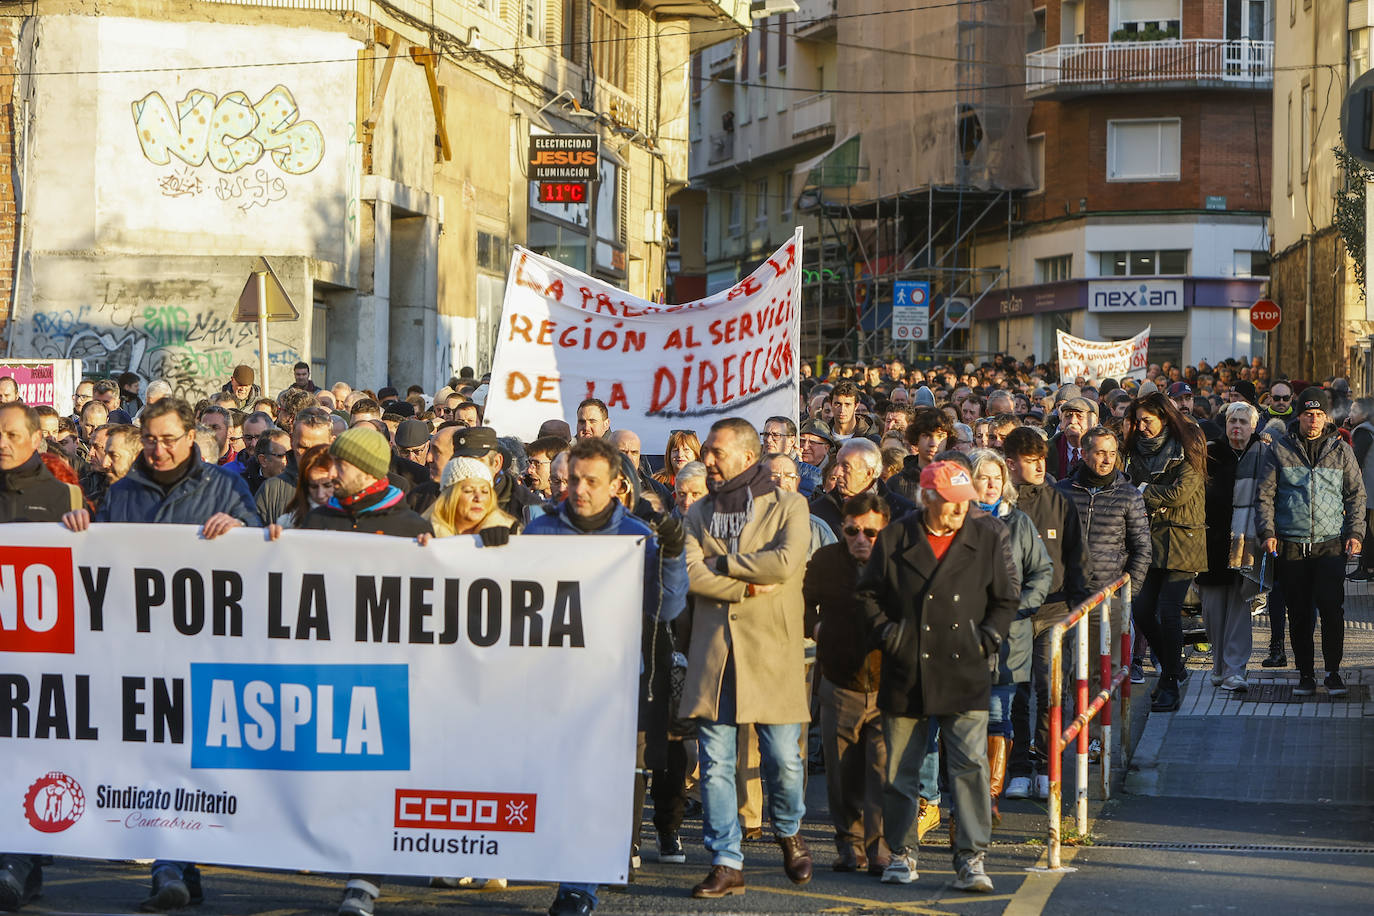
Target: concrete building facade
[373,154]
[1150,143]
[1321,47]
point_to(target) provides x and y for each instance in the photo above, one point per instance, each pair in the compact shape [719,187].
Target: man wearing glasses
[851,731]
[780,438]
[313,426]
[170,484]
[1280,404]
[255,425]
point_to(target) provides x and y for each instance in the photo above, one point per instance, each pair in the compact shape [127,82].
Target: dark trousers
[669,790]
[1157,611]
[1022,761]
[1367,556]
[1278,614]
[1312,586]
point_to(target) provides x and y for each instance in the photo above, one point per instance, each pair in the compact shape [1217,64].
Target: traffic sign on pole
[1265,315]
[910,310]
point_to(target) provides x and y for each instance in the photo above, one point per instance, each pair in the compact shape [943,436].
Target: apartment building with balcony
[759,106]
[387,191]
[1150,145]
[1321,47]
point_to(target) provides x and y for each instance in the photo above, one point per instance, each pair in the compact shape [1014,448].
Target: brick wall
[1224,151]
[1334,338]
[9,33]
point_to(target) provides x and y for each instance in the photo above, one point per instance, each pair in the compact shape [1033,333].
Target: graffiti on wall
[229,133]
[193,350]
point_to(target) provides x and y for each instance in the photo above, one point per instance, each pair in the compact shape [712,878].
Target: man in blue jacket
[596,482]
[1311,516]
[170,484]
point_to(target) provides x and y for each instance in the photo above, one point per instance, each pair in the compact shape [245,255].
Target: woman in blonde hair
[467,504]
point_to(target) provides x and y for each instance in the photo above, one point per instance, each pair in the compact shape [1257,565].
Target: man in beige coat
[747,545]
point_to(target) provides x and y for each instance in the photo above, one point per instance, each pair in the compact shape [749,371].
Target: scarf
[377,486]
[733,504]
[1095,481]
[168,479]
[593,522]
[994,509]
[1156,453]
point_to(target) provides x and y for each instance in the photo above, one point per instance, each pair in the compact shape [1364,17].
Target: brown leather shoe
[723,881]
[796,858]
[850,860]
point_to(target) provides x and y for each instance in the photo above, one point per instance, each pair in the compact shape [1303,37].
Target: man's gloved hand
[672,536]
[495,536]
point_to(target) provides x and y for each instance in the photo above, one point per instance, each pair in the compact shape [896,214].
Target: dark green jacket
[1175,499]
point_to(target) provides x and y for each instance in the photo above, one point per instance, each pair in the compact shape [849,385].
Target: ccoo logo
[54,802]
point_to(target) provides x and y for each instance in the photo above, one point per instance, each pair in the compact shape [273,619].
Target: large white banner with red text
[331,701]
[1094,360]
[565,336]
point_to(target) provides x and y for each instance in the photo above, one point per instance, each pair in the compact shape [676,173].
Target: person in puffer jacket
[1029,565]
[1116,532]
[1311,516]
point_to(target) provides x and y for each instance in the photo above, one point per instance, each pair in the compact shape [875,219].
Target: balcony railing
[812,114]
[722,148]
[1132,63]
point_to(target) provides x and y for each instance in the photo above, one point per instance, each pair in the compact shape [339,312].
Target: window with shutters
[611,44]
[532,19]
[782,41]
[574,26]
[1143,150]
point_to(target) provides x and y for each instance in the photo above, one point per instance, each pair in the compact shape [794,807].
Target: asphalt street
[1194,838]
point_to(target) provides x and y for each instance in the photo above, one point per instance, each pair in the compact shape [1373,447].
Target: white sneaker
[1042,787]
[1236,683]
[972,878]
[1217,680]
[901,870]
[1019,787]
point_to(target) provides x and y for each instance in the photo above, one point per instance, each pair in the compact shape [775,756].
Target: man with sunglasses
[851,734]
[1280,404]
[171,484]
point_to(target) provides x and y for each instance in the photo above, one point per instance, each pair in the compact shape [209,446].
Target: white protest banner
[1099,359]
[332,701]
[565,337]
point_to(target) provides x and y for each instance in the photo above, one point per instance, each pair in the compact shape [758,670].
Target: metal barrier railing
[1085,711]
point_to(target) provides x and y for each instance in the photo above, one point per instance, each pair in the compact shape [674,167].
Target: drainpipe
[1310,358]
[19,233]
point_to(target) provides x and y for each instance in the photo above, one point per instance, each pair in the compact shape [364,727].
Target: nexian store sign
[1135,295]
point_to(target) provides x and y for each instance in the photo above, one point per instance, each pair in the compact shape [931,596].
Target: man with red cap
[938,598]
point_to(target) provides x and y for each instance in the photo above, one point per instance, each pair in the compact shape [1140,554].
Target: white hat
[465,468]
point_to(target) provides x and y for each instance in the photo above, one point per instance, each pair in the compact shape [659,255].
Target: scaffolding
[932,155]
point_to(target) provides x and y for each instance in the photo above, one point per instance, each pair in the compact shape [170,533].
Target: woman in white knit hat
[467,502]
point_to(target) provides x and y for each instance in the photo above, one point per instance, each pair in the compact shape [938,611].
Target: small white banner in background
[1099,359]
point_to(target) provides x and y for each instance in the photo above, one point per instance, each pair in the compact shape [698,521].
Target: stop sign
[1265,315]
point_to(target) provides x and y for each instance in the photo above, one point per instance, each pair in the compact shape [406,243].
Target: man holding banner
[592,508]
[170,484]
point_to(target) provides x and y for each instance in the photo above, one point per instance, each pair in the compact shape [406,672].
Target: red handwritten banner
[565,336]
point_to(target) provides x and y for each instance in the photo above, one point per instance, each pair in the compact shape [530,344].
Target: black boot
[21,881]
[1276,659]
[1167,699]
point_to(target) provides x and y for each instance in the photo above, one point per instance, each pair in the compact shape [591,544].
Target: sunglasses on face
[853,531]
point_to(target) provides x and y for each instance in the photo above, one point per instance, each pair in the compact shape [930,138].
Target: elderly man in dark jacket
[28,491]
[1311,515]
[939,598]
[851,732]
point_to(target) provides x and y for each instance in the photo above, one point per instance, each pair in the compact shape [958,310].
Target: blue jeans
[930,766]
[783,776]
[999,710]
[588,889]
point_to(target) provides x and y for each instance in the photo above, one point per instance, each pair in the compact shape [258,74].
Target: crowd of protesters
[889,562]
